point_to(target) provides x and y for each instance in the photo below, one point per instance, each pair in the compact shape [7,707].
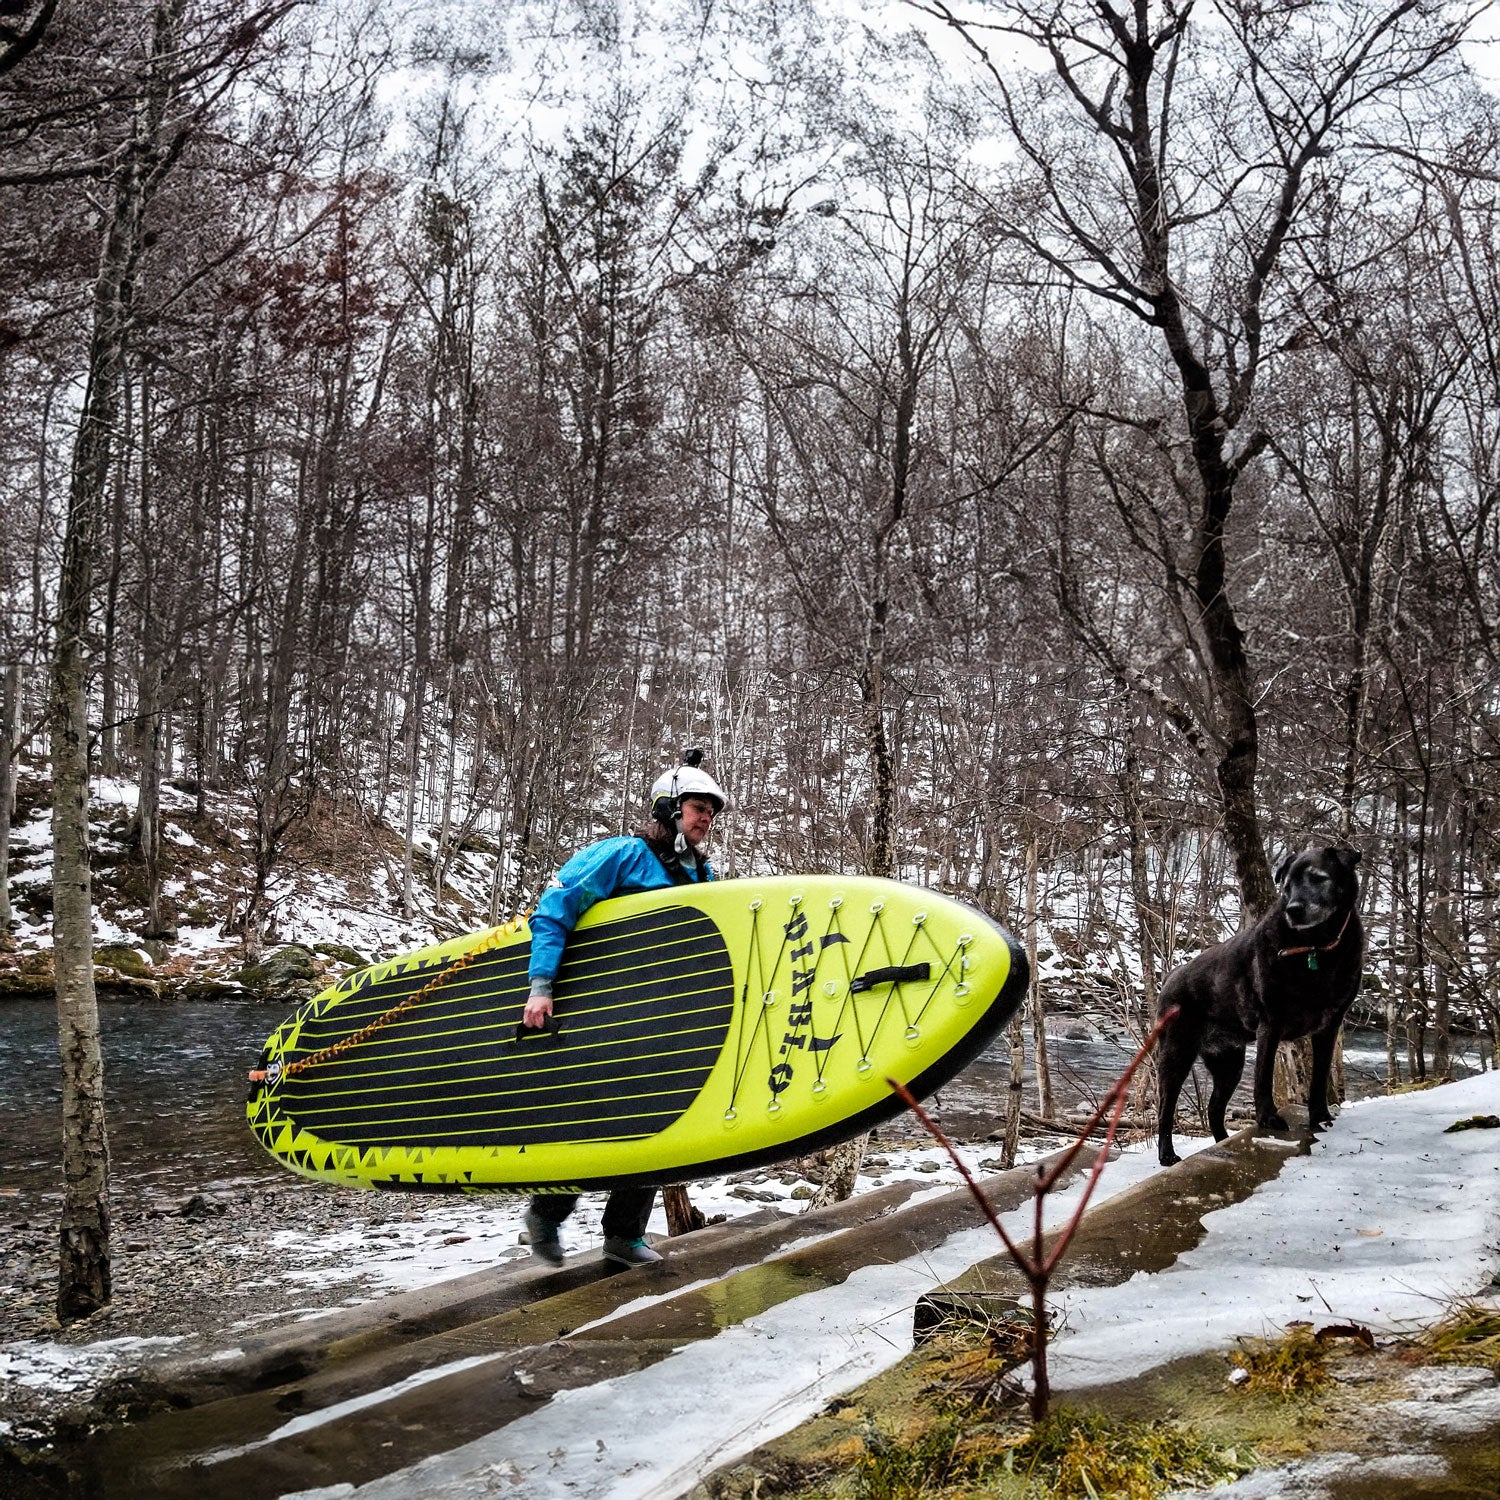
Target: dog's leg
[1174,1061]
[1225,1068]
[1318,1112]
[1267,1039]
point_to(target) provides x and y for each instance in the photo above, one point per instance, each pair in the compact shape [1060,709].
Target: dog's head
[1317,884]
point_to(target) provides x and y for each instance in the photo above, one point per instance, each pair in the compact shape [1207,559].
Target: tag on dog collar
[1312,960]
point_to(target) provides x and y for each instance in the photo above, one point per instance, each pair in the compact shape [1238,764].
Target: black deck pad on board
[643,1007]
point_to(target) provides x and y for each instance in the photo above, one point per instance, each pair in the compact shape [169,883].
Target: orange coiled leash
[326,1054]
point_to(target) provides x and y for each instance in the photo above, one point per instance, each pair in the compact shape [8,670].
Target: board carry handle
[550,1029]
[894,974]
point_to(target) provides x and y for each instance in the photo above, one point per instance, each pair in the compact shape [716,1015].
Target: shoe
[541,1235]
[629,1253]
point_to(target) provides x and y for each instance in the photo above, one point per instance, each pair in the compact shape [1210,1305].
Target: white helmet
[686,780]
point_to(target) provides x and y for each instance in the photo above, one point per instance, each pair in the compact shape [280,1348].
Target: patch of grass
[1070,1456]
[1294,1365]
[910,1466]
[1468,1335]
[1089,1455]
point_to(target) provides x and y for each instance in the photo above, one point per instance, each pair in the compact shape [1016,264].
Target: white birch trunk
[83,1234]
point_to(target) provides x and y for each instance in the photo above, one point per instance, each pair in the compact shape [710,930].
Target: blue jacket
[612,867]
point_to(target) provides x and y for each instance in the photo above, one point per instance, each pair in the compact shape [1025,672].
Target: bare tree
[149,131]
[84,1274]
[22,29]
[847,371]
[1162,173]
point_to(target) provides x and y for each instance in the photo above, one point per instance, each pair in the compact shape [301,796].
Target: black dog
[1293,974]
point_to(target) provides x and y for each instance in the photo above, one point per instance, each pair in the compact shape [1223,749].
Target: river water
[175,1082]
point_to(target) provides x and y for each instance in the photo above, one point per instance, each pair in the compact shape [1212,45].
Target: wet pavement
[1144,1230]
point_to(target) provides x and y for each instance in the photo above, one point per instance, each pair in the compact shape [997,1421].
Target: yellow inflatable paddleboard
[698,1030]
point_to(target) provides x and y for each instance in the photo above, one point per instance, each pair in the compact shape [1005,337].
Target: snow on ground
[1386,1223]
[303,905]
[720,1398]
[1428,1204]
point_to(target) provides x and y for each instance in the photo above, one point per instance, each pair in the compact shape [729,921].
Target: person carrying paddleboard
[667,850]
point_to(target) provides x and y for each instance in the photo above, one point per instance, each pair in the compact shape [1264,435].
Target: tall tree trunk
[83,1239]
[845,1160]
[450,776]
[1140,877]
[109,667]
[414,707]
[880,860]
[1446,940]
[148,804]
[1392,992]
[83,1236]
[149,716]
[1402,923]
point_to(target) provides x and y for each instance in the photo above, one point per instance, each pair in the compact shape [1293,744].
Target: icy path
[1385,1224]
[655,1433]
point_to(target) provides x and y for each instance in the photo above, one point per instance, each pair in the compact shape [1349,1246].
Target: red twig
[1036,1267]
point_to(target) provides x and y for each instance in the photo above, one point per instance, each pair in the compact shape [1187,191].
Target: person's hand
[537,1012]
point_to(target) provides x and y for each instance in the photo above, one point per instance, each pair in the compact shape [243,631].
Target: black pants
[625,1212]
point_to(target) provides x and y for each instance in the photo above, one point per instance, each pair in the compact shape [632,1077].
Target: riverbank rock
[291,973]
[126,961]
[123,972]
[1072,1030]
[342,953]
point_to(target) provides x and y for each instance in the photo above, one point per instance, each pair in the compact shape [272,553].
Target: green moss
[286,969]
[1091,1455]
[907,1466]
[124,959]
[341,953]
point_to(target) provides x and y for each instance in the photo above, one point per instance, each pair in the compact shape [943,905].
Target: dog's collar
[1318,947]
